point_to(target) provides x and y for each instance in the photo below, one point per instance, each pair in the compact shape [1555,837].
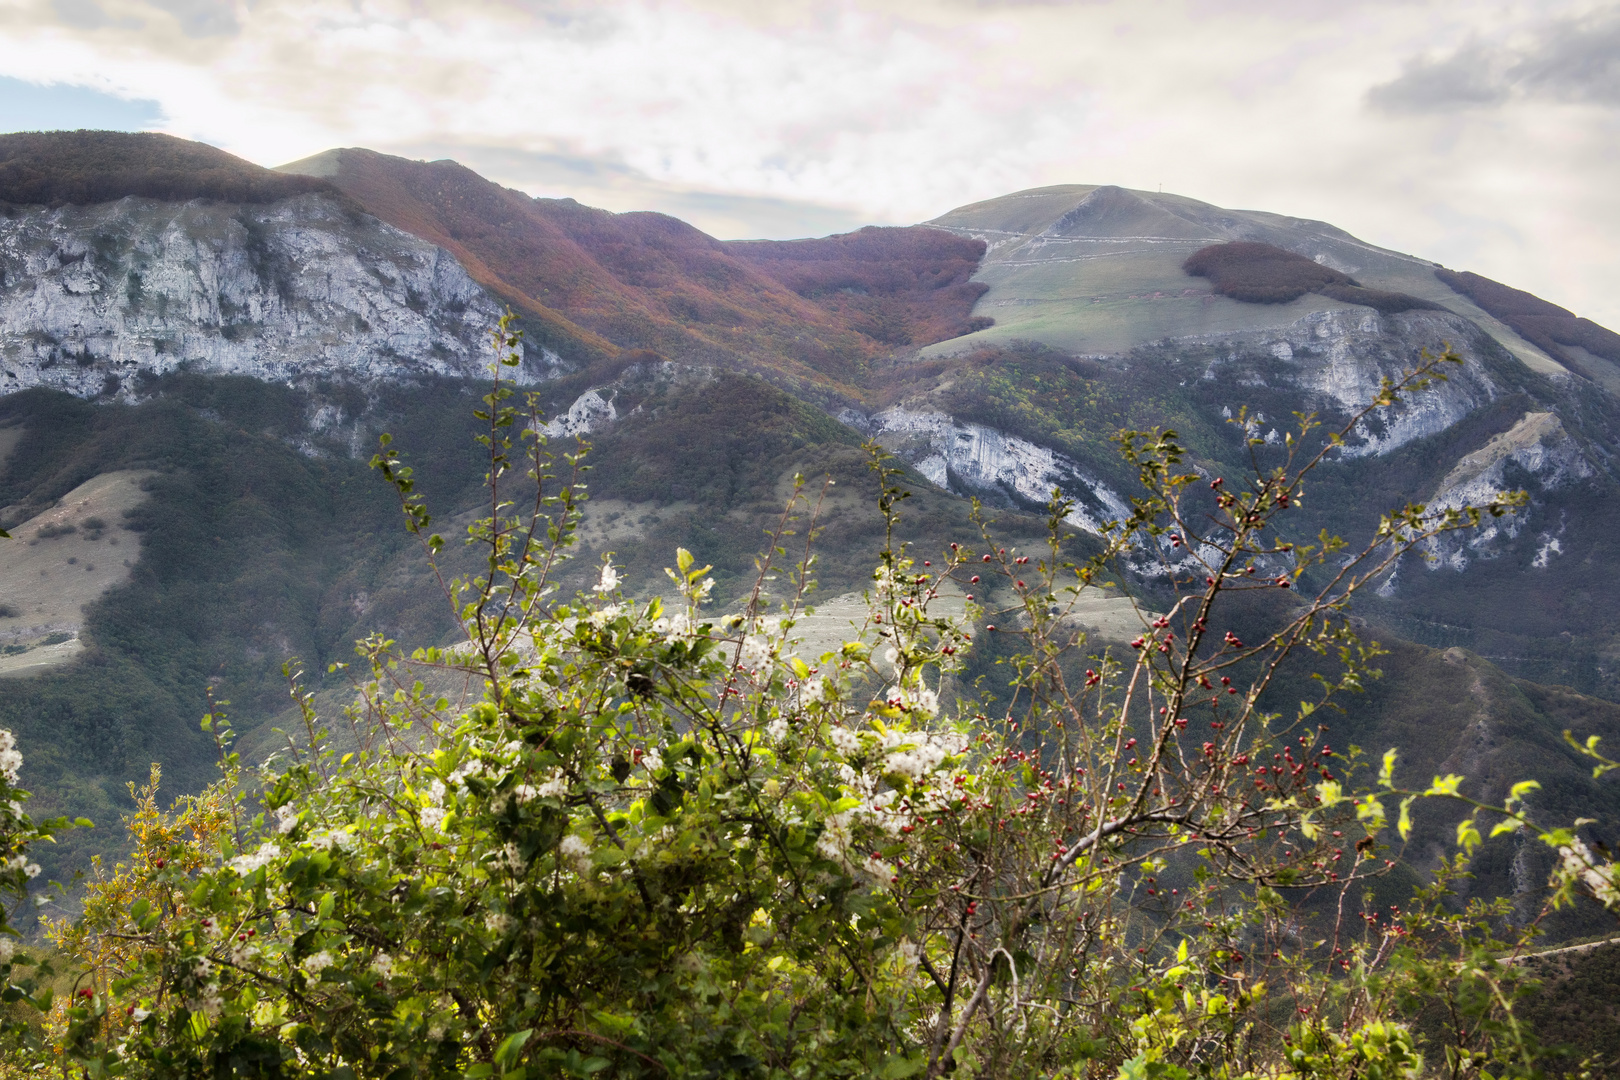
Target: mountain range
[197,354]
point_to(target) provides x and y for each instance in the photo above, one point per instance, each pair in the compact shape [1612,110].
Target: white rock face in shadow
[295,291]
[1537,444]
[972,459]
[589,412]
[1338,359]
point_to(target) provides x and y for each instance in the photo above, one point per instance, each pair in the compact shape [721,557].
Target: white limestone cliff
[1337,359]
[94,299]
[972,459]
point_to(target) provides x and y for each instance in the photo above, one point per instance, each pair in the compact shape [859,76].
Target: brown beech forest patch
[1262,274]
[900,286]
[1545,325]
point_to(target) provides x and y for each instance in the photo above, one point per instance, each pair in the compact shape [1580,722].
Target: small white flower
[554,788]
[317,962]
[32,869]
[383,965]
[498,922]
[209,1004]
[609,580]
[246,864]
[328,839]
[432,817]
[286,818]
[756,653]
[575,851]
[601,617]
[508,856]
[777,729]
[847,741]
[1602,879]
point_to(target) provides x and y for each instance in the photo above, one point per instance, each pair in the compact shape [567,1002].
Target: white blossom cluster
[679,627]
[10,757]
[576,853]
[1603,880]
[246,863]
[914,755]
[20,862]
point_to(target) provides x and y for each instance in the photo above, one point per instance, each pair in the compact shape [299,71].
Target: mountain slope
[648,281]
[1098,270]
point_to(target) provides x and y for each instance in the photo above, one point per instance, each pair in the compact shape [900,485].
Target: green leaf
[897,1067]
[506,1055]
[1446,785]
[325,909]
[1468,836]
[1386,775]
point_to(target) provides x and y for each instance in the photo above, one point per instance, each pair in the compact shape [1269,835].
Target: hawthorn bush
[650,841]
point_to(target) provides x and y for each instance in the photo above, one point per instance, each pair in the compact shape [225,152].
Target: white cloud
[1475,132]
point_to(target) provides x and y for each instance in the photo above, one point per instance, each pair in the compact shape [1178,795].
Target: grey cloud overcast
[1572,60]
[1480,134]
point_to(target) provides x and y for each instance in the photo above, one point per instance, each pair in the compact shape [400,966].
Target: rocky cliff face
[972,459]
[1336,361]
[1536,454]
[95,299]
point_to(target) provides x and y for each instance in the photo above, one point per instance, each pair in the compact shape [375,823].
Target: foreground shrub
[651,842]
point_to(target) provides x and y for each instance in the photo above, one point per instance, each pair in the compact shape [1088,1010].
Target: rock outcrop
[96,299]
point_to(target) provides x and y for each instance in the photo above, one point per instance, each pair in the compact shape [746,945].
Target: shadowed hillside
[907,286]
[81,167]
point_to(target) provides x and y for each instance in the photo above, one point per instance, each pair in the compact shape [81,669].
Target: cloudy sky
[1479,134]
